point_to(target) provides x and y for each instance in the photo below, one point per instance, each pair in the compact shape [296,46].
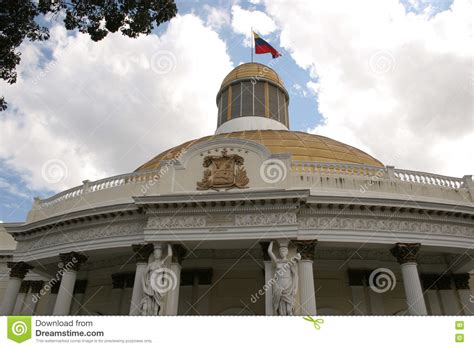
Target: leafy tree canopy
[19,21]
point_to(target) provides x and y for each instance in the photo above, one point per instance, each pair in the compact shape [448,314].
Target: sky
[393,78]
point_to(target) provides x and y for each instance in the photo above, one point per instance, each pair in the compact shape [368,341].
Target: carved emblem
[225,171]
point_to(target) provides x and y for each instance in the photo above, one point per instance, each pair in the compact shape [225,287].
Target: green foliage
[19,21]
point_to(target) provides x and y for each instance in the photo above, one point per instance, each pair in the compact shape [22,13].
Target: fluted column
[21,297]
[18,271]
[306,276]
[71,264]
[267,264]
[430,288]
[357,284]
[78,296]
[461,282]
[32,298]
[179,252]
[406,257]
[142,253]
[52,297]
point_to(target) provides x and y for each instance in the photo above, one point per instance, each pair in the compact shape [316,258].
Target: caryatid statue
[153,287]
[285,280]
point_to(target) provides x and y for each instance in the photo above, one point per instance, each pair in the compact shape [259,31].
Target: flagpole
[251,44]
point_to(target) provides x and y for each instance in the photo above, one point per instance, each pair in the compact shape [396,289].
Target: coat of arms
[225,171]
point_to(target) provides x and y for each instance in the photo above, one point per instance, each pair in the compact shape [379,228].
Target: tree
[19,20]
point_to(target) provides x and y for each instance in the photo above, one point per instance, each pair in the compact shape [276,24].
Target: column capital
[405,252]
[118,281]
[24,287]
[357,277]
[36,286]
[80,286]
[306,248]
[461,281]
[19,269]
[429,281]
[72,260]
[264,246]
[179,252]
[142,252]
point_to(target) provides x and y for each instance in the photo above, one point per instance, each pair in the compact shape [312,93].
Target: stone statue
[152,301]
[285,280]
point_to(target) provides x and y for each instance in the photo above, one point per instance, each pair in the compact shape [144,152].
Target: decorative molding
[265,219]
[175,222]
[58,236]
[19,269]
[306,248]
[405,252]
[373,224]
[74,259]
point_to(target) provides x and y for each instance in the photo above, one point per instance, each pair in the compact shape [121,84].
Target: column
[52,296]
[430,288]
[18,271]
[78,296]
[71,264]
[21,297]
[128,283]
[179,252]
[306,277]
[141,252]
[32,298]
[267,263]
[449,296]
[461,282]
[406,257]
[358,288]
[116,295]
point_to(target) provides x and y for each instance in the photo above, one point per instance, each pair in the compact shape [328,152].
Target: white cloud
[243,21]
[396,84]
[105,108]
[216,17]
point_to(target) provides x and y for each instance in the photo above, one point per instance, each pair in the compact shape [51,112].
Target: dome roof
[302,146]
[255,71]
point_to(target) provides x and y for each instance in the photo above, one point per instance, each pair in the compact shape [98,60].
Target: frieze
[337,223]
[265,219]
[58,236]
[175,222]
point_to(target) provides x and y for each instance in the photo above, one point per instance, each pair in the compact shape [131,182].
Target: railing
[99,185]
[297,167]
[428,179]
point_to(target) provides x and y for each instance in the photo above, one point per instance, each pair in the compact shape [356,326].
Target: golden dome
[254,71]
[302,147]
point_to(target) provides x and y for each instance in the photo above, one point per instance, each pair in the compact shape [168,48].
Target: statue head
[283,251]
[157,252]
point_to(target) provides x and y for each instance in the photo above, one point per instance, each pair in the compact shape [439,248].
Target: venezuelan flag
[261,46]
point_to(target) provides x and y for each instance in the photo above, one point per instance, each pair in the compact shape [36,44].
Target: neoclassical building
[370,238]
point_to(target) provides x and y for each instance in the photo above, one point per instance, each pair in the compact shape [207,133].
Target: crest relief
[223,172]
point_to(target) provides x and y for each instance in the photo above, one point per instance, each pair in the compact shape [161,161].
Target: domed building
[221,213]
